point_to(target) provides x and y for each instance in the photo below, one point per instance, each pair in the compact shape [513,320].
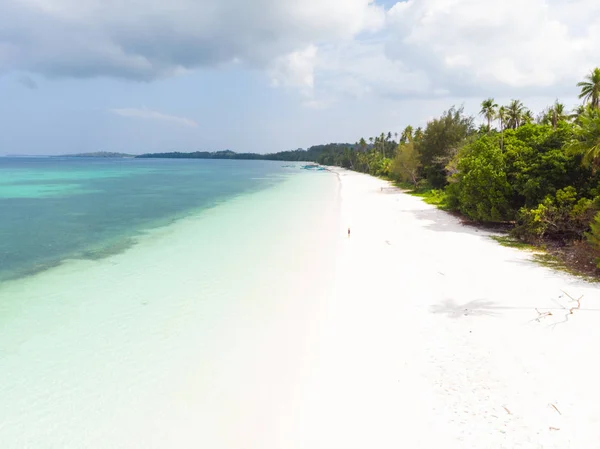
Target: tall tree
[558,113]
[590,88]
[527,117]
[502,115]
[514,114]
[418,136]
[488,110]
[362,144]
[577,111]
[406,165]
[407,134]
[441,140]
[587,138]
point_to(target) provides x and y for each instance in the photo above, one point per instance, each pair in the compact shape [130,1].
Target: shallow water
[194,336]
[54,208]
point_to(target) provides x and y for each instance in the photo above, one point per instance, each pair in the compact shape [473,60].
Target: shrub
[559,217]
[593,237]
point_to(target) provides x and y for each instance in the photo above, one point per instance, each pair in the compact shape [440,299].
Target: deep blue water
[57,208]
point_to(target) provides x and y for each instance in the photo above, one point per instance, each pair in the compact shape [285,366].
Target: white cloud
[362,68]
[144,113]
[467,49]
[508,44]
[419,48]
[149,39]
[295,69]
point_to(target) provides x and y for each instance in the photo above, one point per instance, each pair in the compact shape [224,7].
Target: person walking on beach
[348,232]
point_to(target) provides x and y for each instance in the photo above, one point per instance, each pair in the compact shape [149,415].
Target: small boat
[312,167]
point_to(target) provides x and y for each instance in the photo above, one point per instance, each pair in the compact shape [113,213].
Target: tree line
[539,173]
[312,154]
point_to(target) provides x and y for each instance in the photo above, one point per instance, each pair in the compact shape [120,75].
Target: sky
[140,76]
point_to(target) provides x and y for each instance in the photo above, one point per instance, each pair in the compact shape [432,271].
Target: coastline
[415,331]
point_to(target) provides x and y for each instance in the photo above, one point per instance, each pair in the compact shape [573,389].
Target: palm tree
[577,111]
[527,117]
[558,113]
[514,113]
[418,134]
[407,134]
[362,144]
[590,89]
[387,140]
[502,115]
[587,138]
[488,110]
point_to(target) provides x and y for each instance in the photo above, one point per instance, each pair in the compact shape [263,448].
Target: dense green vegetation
[538,174]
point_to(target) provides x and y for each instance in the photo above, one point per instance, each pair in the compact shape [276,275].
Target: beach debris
[553,428]
[571,310]
[578,301]
[507,410]
[542,315]
[555,408]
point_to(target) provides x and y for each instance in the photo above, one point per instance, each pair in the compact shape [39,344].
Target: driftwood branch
[542,315]
[578,301]
[571,310]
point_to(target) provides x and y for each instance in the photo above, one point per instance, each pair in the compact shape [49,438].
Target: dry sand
[438,337]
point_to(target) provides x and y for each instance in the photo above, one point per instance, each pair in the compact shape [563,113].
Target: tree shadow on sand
[478,307]
[441,221]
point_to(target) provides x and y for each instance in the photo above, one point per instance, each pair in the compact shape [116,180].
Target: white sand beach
[418,333]
[438,337]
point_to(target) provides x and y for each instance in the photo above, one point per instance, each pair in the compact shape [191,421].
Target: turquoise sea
[58,208]
[158,303]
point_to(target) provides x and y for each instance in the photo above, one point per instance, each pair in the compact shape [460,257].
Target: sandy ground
[438,337]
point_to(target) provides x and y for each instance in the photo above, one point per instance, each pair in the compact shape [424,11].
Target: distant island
[99,154]
[317,153]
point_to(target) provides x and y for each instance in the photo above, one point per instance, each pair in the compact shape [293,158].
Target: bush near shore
[540,175]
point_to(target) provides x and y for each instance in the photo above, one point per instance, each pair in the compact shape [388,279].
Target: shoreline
[415,331]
